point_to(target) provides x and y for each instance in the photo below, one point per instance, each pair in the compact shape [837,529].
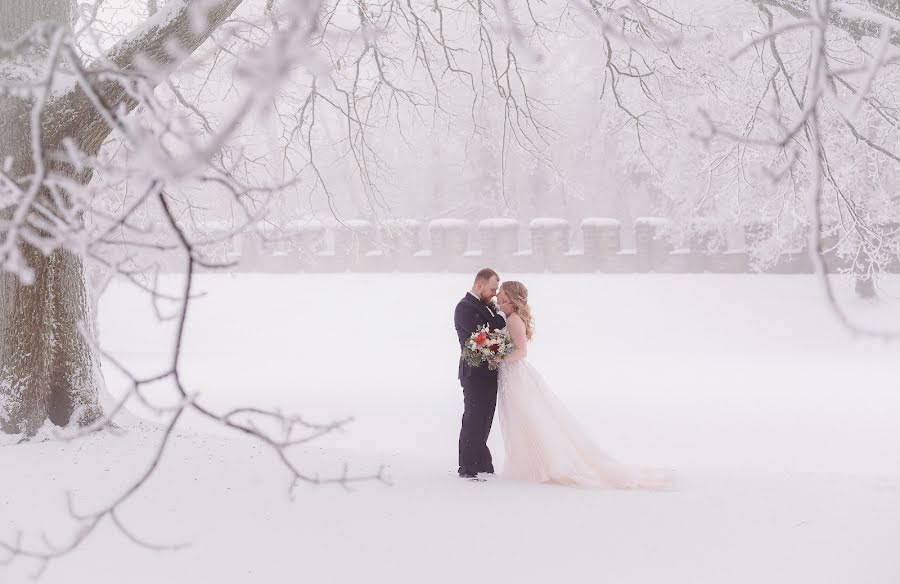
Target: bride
[543,442]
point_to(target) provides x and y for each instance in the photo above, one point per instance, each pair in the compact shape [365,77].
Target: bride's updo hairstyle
[518,295]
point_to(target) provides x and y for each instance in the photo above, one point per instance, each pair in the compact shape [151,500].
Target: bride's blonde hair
[518,295]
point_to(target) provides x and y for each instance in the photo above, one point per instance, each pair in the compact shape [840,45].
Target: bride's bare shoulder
[515,320]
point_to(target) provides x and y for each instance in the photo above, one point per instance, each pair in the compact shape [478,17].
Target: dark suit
[479,389]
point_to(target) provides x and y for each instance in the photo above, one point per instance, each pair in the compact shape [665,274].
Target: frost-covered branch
[827,99]
[188,133]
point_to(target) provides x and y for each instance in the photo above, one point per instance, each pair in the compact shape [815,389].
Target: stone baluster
[549,242]
[449,240]
[499,240]
[651,248]
[602,241]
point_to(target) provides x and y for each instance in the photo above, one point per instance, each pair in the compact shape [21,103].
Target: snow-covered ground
[783,430]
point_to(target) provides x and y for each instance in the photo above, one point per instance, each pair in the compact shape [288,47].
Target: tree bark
[17,16]
[48,369]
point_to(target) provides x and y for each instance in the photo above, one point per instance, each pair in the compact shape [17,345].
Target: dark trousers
[479,403]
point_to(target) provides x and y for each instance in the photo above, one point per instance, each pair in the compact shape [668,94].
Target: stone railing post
[602,241]
[549,242]
[449,240]
[499,240]
[401,239]
[651,248]
[352,240]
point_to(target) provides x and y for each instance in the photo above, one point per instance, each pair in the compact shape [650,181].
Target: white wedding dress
[543,442]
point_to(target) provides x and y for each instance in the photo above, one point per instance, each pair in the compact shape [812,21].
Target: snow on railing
[498,223]
[600,222]
[448,223]
[455,244]
[548,223]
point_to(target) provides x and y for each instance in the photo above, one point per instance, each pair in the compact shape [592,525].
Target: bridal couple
[543,442]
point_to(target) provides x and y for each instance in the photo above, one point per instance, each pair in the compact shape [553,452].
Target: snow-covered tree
[56,103]
[803,134]
[128,129]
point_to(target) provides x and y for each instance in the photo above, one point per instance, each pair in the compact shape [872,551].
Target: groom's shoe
[470,476]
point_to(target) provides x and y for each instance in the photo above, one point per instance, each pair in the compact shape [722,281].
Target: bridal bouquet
[487,345]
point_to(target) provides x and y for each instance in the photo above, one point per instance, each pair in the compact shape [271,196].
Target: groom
[479,383]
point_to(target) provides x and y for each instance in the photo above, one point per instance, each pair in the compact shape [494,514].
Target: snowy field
[782,428]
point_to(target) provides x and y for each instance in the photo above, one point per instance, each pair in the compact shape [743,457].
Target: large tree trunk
[48,369]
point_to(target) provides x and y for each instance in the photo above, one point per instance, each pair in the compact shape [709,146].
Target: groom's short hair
[485,275]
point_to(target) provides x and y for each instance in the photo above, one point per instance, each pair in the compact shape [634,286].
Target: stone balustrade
[444,245]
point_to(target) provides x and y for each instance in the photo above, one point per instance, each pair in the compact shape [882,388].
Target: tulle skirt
[544,443]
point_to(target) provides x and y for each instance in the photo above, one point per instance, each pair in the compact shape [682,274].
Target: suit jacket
[472,314]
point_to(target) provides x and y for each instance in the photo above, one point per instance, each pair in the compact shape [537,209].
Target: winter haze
[238,298]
